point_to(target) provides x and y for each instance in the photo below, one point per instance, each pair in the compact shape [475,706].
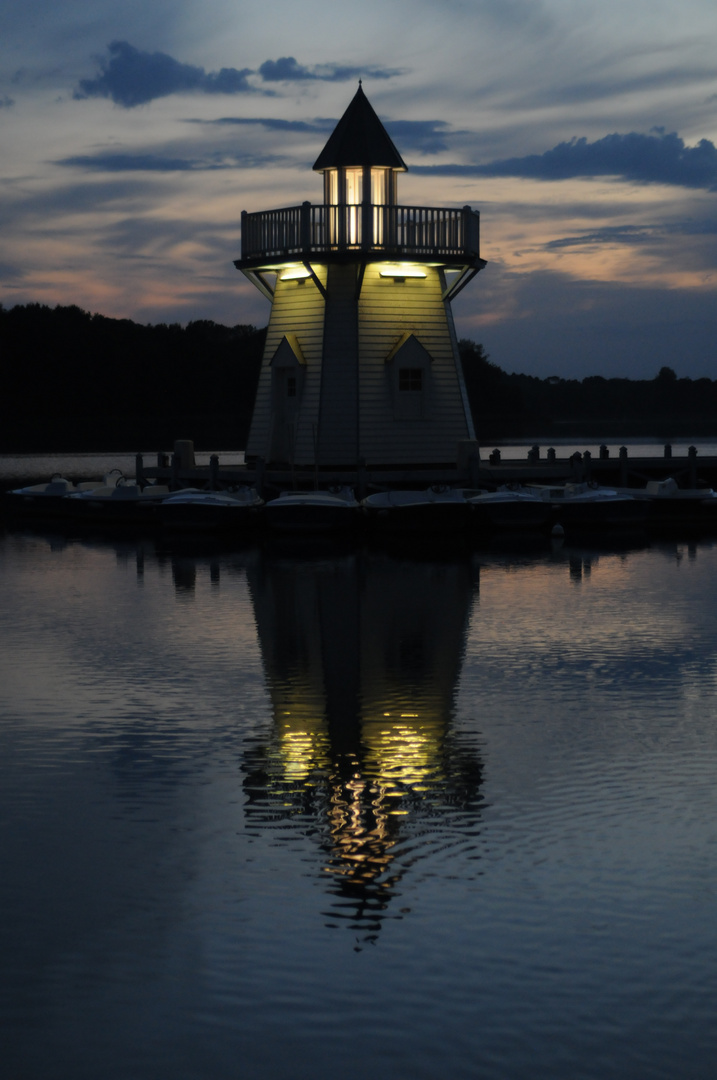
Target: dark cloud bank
[645,159]
[426,136]
[165,163]
[286,69]
[131,77]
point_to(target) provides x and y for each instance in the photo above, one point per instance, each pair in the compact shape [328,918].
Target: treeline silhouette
[76,381]
[524,406]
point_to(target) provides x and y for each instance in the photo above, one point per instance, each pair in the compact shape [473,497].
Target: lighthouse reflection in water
[362,656]
[284,815]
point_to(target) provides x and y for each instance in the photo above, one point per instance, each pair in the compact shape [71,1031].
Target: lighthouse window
[354,186]
[379,186]
[291,386]
[332,187]
[410,379]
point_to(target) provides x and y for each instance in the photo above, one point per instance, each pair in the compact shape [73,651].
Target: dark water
[350,814]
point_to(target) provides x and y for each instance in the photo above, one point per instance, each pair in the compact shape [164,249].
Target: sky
[133,135]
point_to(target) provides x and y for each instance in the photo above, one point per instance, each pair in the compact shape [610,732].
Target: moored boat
[46,500]
[669,505]
[586,505]
[335,510]
[212,510]
[509,509]
[122,503]
[435,509]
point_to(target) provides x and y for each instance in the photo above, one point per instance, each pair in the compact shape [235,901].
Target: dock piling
[259,470]
[361,478]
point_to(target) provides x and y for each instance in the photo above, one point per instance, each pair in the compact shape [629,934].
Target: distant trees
[74,381]
[513,406]
[493,395]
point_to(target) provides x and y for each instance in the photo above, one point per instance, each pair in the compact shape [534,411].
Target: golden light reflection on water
[362,669]
[402,755]
[399,769]
[361,838]
[305,748]
[397,756]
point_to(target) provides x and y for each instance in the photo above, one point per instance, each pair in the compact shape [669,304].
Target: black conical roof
[359,139]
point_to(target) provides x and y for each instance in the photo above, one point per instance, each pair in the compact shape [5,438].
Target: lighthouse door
[287,401]
[287,384]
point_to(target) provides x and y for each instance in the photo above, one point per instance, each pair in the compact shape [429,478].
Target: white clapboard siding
[347,408]
[387,310]
[299,310]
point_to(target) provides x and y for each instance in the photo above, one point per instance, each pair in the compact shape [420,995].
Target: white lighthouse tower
[361,366]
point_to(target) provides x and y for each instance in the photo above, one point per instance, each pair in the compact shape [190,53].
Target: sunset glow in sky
[134,134]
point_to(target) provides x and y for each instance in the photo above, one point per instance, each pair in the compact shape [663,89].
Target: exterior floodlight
[296,273]
[401,272]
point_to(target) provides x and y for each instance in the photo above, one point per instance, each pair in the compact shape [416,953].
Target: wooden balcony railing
[308,231]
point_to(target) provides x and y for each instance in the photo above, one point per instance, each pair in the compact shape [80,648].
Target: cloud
[610,234]
[426,136]
[134,163]
[319,126]
[614,85]
[166,163]
[6,102]
[286,69]
[643,159]
[688,246]
[10,272]
[131,77]
[27,210]
[139,236]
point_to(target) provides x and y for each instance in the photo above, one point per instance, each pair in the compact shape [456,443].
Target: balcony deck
[308,232]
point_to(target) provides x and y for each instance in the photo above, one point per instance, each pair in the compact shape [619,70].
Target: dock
[539,466]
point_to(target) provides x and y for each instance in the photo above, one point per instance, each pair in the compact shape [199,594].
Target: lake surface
[288,815]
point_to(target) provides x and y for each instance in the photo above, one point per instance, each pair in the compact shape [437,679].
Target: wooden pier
[540,465]
[617,470]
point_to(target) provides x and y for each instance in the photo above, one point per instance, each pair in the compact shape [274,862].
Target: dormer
[359,162]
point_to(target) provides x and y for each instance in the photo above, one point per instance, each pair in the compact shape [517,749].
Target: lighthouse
[361,366]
